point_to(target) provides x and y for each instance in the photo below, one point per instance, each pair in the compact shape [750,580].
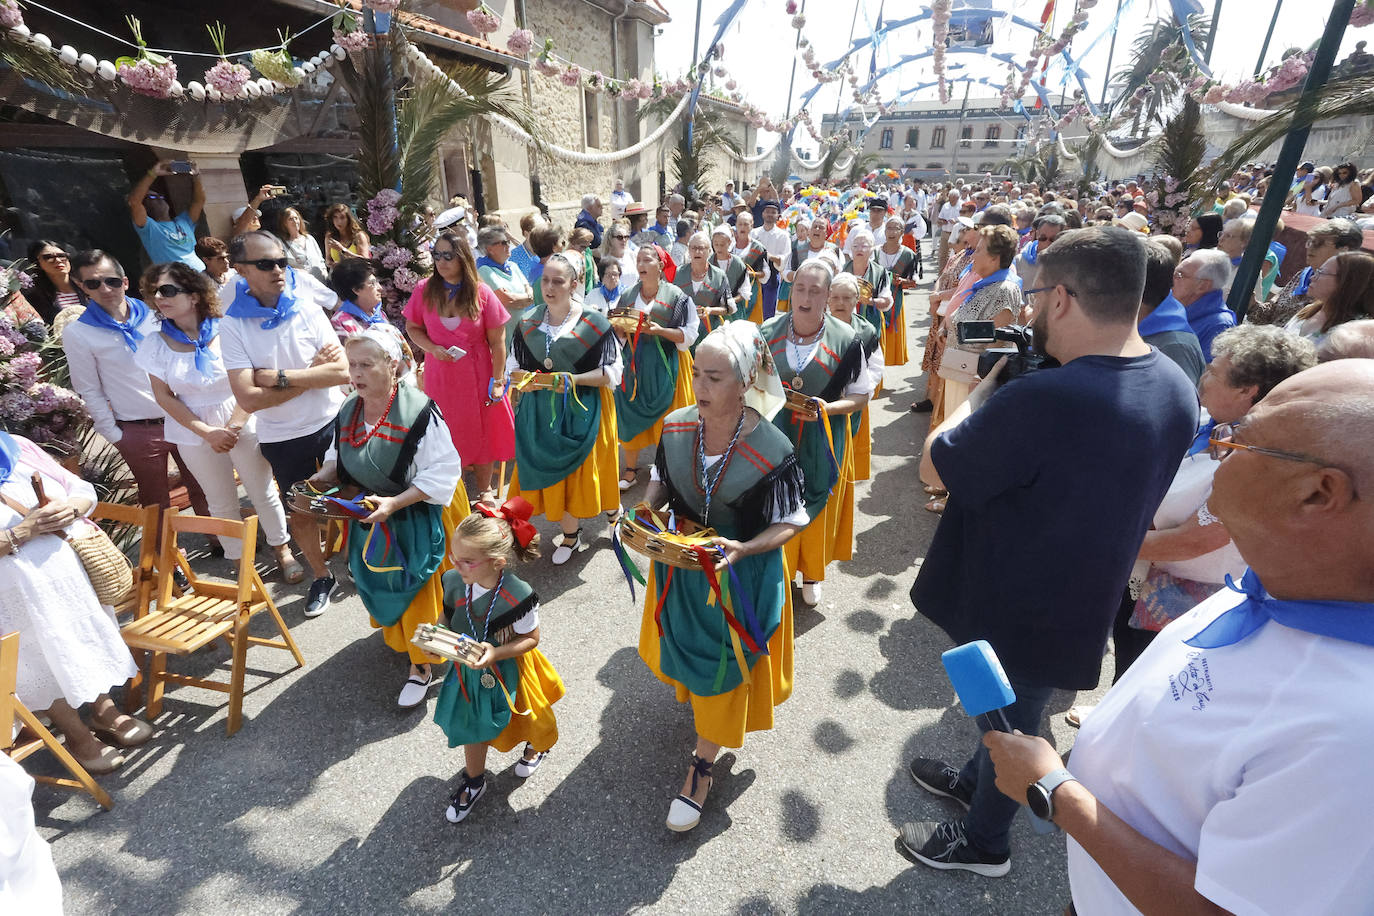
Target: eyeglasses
[1222,442]
[267,264]
[617,235]
[93,283]
[445,255]
[1180,275]
[167,291]
[153,195]
[1044,289]
[1317,243]
[53,257]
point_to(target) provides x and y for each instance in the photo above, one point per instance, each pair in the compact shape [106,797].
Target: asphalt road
[330,800]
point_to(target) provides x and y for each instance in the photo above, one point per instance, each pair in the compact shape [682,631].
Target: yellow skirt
[894,343]
[756,305]
[863,449]
[428,606]
[590,489]
[831,536]
[726,718]
[683,396]
[540,688]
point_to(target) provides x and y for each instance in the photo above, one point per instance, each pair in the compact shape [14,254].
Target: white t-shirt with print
[1252,759]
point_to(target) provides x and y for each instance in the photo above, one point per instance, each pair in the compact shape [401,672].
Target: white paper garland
[1244,113]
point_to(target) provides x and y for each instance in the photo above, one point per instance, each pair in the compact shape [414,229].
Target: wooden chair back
[12,711]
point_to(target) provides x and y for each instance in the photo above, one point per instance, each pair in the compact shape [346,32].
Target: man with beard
[1032,553]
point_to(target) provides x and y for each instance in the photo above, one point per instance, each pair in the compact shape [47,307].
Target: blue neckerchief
[1278,251]
[1203,438]
[536,272]
[245,305]
[997,276]
[1031,252]
[204,355]
[1235,262]
[1169,316]
[1024,231]
[485,261]
[963,272]
[612,294]
[376,316]
[1352,621]
[97,317]
[9,455]
[1209,303]
[1304,281]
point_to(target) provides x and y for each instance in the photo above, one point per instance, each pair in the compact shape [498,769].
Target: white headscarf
[753,362]
[388,343]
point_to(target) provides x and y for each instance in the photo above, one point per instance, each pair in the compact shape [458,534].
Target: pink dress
[482,433]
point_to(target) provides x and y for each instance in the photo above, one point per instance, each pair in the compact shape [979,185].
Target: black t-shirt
[1052,484]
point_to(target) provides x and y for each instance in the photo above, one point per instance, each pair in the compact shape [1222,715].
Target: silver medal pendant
[548,362]
[487,680]
[797,383]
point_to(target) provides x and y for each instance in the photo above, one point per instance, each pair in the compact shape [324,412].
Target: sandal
[627,482]
[107,761]
[488,496]
[292,572]
[565,546]
[936,505]
[684,813]
[526,765]
[134,733]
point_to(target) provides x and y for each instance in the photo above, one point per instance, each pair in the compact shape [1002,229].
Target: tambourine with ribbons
[803,405]
[328,504]
[627,321]
[865,292]
[677,542]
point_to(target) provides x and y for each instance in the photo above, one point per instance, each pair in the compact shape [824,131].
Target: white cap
[238,214]
[449,217]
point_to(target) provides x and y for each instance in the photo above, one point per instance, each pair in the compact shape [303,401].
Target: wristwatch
[281,379]
[1040,794]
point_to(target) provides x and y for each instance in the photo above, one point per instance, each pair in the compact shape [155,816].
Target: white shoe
[565,549]
[1077,714]
[811,593]
[524,767]
[463,800]
[415,690]
[683,814]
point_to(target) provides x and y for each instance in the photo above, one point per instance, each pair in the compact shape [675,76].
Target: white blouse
[208,397]
[795,516]
[614,371]
[690,329]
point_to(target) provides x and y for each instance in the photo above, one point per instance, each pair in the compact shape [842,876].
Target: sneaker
[939,778]
[946,847]
[321,590]
[462,801]
[525,766]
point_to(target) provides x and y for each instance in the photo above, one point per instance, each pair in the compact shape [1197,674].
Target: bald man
[1229,770]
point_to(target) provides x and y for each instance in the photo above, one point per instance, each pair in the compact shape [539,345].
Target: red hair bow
[666,263]
[515,512]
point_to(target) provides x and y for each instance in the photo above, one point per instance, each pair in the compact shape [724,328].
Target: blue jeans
[988,822]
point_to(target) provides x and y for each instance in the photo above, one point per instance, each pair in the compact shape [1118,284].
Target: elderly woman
[657,358]
[70,650]
[302,251]
[1235,238]
[900,263]
[215,436]
[580,248]
[705,283]
[864,264]
[1324,241]
[1189,553]
[565,444]
[392,450]
[736,273]
[502,275]
[1342,290]
[843,303]
[732,665]
[460,323]
[995,296]
[821,357]
[354,281]
[955,278]
[605,295]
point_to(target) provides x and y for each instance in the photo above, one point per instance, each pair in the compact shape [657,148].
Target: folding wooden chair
[11,709]
[146,519]
[206,612]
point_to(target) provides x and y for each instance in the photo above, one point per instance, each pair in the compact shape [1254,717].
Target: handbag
[108,569]
[958,365]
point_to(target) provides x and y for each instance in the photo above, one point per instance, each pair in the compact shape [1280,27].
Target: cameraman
[1053,480]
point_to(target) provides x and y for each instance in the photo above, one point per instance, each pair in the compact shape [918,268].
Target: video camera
[1020,360]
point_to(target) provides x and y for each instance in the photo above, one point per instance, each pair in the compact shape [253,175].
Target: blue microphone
[980,682]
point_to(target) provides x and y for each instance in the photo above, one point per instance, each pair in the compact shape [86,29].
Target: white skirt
[69,644]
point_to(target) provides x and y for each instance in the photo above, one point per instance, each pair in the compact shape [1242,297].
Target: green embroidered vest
[512,602]
[579,350]
[382,463]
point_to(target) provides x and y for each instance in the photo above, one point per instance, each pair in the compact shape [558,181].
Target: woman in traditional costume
[565,442]
[843,304]
[706,284]
[822,358]
[955,269]
[505,697]
[390,441]
[723,466]
[812,244]
[736,274]
[657,359]
[900,263]
[457,320]
[875,306]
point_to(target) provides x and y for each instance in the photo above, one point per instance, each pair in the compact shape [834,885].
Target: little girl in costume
[506,698]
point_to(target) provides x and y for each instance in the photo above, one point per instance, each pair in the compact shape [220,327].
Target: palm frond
[1183,146]
[1348,98]
[861,166]
[379,162]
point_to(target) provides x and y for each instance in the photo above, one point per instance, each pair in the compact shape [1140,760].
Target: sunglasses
[53,257]
[267,264]
[445,255]
[167,291]
[93,283]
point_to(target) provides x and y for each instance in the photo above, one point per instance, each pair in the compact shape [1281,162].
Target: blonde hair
[494,538]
